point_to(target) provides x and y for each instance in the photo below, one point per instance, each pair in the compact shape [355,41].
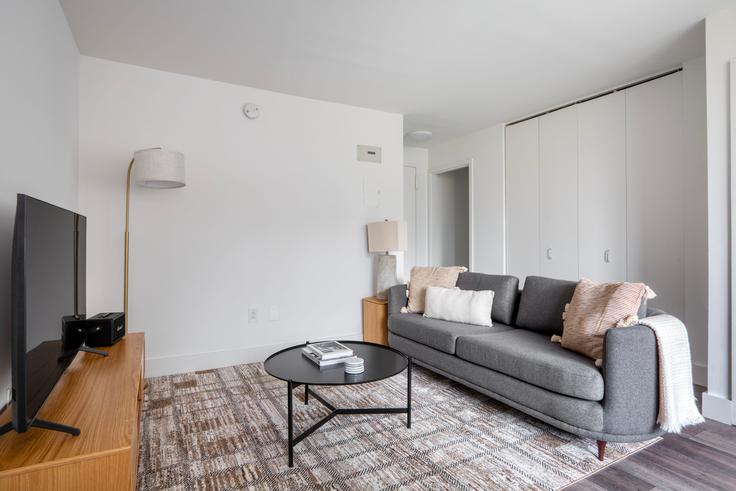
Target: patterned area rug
[226,429]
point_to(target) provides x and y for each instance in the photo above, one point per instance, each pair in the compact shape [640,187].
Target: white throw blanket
[676,399]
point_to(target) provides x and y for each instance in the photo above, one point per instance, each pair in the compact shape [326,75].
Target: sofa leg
[601,450]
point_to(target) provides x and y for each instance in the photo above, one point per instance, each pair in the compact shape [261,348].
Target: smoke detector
[419,135]
[251,111]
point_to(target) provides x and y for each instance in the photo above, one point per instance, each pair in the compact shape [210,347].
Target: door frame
[417,232]
[732,227]
[433,173]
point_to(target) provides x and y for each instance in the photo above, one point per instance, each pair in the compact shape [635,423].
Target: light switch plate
[367,153]
[371,192]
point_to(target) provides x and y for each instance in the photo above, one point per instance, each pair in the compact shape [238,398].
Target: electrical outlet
[8,394]
[273,313]
[252,316]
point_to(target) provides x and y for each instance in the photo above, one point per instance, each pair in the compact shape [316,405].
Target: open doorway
[410,215]
[450,216]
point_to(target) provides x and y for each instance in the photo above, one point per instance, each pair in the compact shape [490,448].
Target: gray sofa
[515,362]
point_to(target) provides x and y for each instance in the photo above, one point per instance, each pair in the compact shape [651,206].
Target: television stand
[46,425]
[100,395]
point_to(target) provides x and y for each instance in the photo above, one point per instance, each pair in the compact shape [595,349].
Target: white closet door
[558,194]
[522,199]
[602,188]
[655,189]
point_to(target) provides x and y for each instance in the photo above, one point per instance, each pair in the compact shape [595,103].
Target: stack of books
[327,353]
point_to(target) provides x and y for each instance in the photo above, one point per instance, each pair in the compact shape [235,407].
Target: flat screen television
[48,297]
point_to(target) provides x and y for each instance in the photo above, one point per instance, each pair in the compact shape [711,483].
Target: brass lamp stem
[125,267]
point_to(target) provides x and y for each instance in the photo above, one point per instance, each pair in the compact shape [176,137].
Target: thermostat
[367,153]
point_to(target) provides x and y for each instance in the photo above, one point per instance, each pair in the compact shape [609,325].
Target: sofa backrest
[505,288]
[542,304]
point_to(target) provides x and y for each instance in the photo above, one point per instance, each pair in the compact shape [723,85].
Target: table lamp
[156,168]
[385,237]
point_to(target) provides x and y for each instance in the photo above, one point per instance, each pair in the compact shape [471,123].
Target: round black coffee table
[295,369]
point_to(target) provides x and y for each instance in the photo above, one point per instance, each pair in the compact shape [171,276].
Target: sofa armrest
[631,378]
[396,299]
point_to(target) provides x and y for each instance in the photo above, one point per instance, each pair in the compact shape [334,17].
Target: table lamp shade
[159,168]
[387,236]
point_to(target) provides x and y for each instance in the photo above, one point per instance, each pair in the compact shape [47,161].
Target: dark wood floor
[702,457]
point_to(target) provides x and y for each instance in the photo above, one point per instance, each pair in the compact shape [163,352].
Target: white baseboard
[190,362]
[700,374]
[717,408]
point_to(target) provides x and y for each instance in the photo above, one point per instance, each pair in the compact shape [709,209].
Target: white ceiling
[448,66]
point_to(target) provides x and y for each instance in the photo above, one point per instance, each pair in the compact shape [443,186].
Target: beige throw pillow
[424,276]
[594,309]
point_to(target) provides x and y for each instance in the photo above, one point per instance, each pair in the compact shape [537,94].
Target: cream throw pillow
[594,309]
[423,276]
[454,304]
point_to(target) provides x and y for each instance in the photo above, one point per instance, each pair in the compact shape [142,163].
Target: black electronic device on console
[105,329]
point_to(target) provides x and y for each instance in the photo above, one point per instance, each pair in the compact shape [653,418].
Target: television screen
[49,251]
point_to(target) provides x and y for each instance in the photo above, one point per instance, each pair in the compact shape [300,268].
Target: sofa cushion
[542,304]
[505,288]
[435,333]
[533,358]
[456,305]
[541,403]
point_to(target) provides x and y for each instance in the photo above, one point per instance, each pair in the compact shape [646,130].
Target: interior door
[602,167]
[522,199]
[655,189]
[410,215]
[558,194]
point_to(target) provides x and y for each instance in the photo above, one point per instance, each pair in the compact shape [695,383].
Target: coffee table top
[380,362]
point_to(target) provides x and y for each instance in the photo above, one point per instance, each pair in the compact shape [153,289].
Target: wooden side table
[375,320]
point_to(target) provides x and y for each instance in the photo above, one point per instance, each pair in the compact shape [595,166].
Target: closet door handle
[549,253]
[607,256]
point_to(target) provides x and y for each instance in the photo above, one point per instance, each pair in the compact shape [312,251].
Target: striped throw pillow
[594,309]
[425,276]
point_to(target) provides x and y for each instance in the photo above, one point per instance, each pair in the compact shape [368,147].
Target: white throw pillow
[454,304]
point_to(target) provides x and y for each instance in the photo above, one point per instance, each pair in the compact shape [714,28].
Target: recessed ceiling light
[419,135]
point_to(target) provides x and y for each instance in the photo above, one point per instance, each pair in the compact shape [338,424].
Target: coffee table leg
[306,393]
[408,394]
[291,425]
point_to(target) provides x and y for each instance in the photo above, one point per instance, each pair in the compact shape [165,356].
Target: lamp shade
[387,236]
[159,168]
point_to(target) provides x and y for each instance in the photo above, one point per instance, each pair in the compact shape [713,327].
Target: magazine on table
[313,357]
[329,350]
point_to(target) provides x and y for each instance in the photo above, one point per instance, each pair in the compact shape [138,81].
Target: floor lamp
[156,168]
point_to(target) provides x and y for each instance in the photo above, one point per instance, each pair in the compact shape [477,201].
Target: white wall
[720,47]
[485,149]
[419,159]
[273,215]
[38,127]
